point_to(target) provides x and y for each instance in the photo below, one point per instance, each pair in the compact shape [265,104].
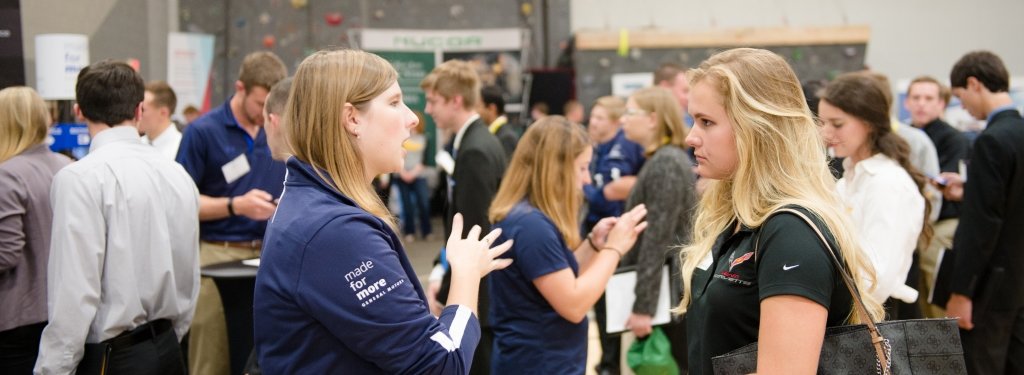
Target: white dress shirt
[462,132]
[167,142]
[124,248]
[888,213]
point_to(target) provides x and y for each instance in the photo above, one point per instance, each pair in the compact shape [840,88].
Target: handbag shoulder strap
[877,340]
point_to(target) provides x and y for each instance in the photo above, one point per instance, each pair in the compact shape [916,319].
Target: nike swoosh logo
[787,268]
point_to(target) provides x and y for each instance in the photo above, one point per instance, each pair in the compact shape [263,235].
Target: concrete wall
[241,26]
[908,37]
[117,29]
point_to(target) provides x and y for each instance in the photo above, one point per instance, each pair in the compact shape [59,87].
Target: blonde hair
[781,161]
[454,78]
[614,105]
[542,172]
[315,128]
[24,120]
[660,102]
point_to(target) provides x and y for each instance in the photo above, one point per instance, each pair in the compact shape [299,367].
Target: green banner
[412,67]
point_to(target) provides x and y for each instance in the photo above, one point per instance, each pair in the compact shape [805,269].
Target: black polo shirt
[725,309]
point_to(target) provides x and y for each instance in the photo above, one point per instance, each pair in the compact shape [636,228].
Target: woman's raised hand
[623,235]
[475,254]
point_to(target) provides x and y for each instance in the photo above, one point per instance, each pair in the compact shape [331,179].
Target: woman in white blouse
[883,192]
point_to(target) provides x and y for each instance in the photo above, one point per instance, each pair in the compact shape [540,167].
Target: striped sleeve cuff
[463,330]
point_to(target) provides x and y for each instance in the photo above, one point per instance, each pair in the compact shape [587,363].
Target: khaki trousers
[941,240]
[208,341]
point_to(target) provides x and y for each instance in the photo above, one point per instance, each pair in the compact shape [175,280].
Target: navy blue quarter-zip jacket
[335,293]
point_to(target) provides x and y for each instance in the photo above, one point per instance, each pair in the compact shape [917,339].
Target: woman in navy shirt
[335,291]
[539,305]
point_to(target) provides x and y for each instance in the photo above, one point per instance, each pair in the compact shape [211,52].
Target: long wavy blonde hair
[781,161]
[542,172]
[314,125]
[24,121]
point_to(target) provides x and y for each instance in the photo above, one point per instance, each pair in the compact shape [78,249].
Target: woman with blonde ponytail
[753,274]
[336,292]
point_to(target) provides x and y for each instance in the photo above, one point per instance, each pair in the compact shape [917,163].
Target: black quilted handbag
[919,346]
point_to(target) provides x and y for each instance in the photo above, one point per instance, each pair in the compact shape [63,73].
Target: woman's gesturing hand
[475,254]
[623,235]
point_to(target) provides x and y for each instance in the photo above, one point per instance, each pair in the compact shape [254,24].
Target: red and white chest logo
[740,260]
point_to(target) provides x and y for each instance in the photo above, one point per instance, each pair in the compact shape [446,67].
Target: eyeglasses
[634,112]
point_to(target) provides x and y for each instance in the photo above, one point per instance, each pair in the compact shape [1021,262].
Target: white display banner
[189,64]
[59,58]
[445,40]
[624,84]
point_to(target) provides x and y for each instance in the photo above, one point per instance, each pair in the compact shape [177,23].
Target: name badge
[706,262]
[235,169]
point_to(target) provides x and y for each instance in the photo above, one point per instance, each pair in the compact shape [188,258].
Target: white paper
[59,58]
[619,297]
[252,262]
[235,169]
[625,84]
[935,275]
[445,161]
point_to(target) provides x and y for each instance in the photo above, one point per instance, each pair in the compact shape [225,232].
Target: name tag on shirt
[706,262]
[235,169]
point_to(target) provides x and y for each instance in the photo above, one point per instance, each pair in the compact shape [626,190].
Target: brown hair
[454,78]
[661,102]
[261,69]
[541,171]
[984,66]
[667,72]
[278,96]
[163,95]
[570,105]
[109,92]
[944,92]
[864,96]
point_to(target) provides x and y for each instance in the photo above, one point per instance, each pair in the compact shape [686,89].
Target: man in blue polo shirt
[226,153]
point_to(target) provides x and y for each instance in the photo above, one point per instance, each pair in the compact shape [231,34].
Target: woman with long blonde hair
[751,274]
[336,292]
[27,168]
[539,304]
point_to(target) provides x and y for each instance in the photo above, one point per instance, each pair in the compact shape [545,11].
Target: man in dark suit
[453,90]
[988,273]
[926,101]
[492,111]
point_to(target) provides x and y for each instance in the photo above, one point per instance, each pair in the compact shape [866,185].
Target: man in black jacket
[492,112]
[453,90]
[926,101]
[988,275]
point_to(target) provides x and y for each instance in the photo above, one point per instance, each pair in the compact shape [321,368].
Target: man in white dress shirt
[157,107]
[123,274]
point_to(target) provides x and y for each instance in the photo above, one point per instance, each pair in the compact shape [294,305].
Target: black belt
[143,333]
